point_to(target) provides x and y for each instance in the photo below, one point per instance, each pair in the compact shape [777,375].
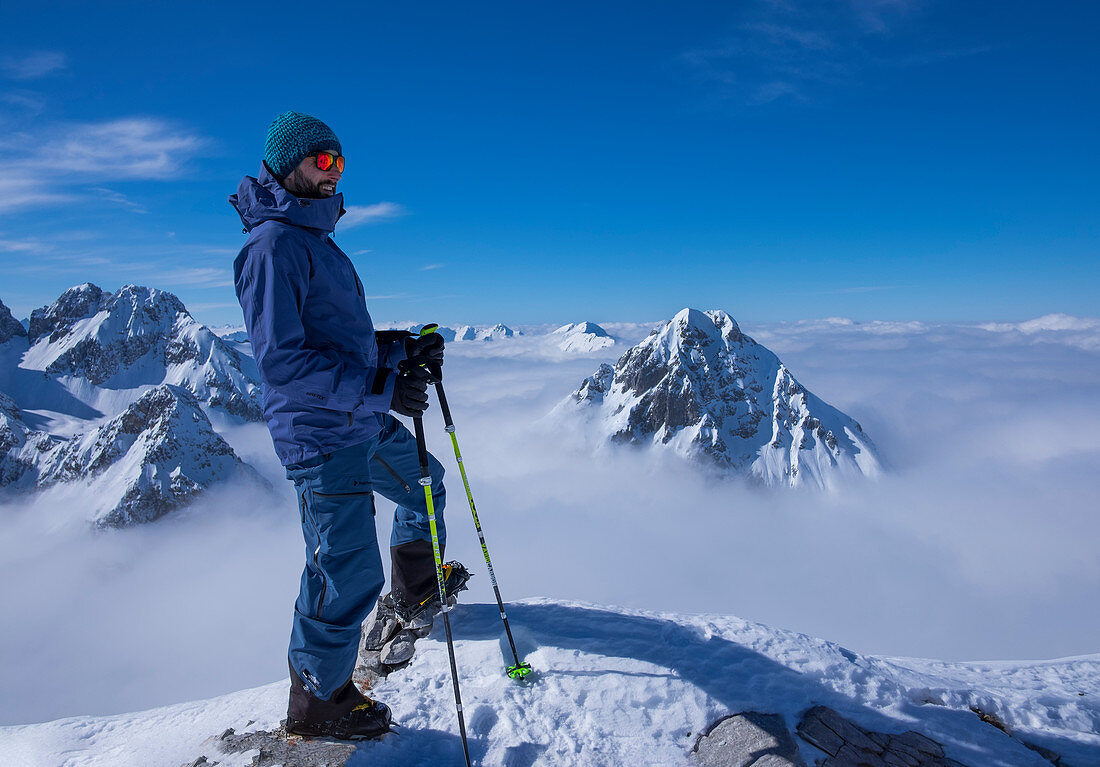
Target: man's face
[307,180]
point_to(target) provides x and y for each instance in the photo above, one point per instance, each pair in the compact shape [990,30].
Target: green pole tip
[520,670]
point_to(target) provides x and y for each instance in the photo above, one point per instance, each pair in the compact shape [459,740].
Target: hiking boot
[348,714]
[367,720]
[412,612]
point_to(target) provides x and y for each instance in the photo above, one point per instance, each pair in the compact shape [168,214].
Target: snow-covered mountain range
[469,332]
[700,387]
[114,391]
[116,345]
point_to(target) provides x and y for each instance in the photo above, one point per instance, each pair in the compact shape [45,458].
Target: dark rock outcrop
[9,326]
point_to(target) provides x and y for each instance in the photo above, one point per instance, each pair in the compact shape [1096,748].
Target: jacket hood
[264,199]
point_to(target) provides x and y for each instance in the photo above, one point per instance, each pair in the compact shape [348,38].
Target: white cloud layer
[979,542]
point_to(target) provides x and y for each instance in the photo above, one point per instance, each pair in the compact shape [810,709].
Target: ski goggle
[325,161]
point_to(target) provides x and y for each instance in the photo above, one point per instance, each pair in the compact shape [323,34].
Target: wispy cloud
[793,50]
[74,154]
[880,15]
[20,246]
[19,190]
[358,215]
[430,267]
[29,104]
[128,148]
[33,65]
[119,199]
[203,277]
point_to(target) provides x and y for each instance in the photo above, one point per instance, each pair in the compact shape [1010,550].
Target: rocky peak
[9,326]
[145,307]
[705,390]
[75,304]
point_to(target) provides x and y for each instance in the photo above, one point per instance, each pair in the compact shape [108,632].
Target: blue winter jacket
[325,379]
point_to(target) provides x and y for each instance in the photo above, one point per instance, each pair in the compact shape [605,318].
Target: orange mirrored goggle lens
[326,160]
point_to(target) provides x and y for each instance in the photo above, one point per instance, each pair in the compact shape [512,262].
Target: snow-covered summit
[583,337]
[700,387]
[133,339]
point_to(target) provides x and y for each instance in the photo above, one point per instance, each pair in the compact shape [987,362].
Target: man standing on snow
[329,384]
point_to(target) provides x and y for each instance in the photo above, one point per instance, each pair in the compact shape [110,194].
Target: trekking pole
[426,483]
[519,670]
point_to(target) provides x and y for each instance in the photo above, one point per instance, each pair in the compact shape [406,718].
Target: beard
[300,186]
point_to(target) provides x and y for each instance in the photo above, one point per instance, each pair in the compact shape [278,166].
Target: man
[329,382]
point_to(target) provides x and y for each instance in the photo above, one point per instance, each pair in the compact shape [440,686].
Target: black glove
[390,336]
[410,391]
[425,351]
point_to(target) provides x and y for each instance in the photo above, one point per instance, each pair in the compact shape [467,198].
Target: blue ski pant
[343,574]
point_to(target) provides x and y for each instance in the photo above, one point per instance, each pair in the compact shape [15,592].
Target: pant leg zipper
[396,476]
[316,558]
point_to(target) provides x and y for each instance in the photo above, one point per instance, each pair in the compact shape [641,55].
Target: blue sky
[554,162]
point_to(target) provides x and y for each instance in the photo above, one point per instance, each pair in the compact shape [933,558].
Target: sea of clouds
[979,542]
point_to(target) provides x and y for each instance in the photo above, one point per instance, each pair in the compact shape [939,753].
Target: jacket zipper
[396,476]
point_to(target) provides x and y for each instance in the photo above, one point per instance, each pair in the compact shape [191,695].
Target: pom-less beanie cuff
[293,136]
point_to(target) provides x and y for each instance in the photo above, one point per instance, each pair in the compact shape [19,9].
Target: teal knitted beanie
[293,136]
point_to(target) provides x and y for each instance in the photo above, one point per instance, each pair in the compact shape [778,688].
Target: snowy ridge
[617,687]
[106,349]
[701,388]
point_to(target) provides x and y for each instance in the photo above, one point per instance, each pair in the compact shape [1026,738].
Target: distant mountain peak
[583,337]
[699,387]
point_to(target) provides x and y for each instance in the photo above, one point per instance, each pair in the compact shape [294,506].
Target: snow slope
[617,687]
